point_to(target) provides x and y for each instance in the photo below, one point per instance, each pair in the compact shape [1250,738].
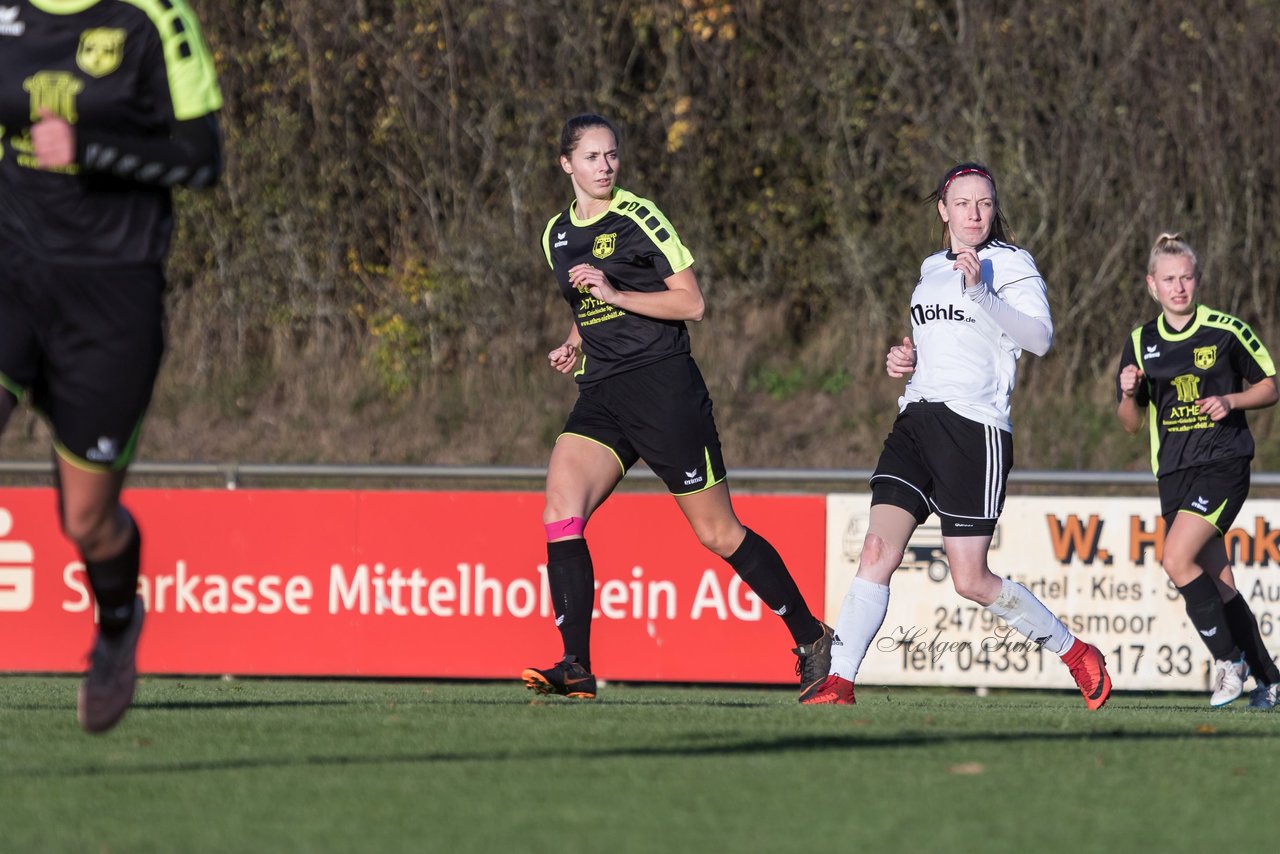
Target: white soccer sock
[863,611]
[1020,608]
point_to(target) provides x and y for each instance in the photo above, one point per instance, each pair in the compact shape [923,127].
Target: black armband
[190,157]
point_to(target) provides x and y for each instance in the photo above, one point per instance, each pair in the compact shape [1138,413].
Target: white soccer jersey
[963,359]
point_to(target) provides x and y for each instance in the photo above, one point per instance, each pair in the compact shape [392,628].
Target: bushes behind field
[366,284]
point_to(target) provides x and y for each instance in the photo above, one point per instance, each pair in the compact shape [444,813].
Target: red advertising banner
[403,584]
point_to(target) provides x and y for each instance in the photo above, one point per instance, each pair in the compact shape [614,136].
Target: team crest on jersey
[101,51]
[604,245]
[1204,357]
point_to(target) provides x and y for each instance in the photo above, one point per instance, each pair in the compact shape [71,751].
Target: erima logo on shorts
[692,477]
[105,452]
[922,314]
[1201,503]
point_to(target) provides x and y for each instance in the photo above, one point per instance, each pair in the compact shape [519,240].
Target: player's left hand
[1215,407]
[968,263]
[53,141]
[584,277]
[901,359]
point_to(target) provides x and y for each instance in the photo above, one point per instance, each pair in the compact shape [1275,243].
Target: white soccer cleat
[1264,696]
[1228,682]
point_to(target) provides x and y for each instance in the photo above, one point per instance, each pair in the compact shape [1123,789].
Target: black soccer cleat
[107,689]
[567,678]
[813,662]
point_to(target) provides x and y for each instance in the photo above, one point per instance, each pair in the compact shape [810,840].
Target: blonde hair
[1171,243]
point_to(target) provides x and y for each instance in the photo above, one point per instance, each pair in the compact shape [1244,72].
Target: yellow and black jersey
[1214,355]
[135,80]
[636,247]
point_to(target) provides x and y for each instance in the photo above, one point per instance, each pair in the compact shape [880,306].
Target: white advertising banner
[1095,562]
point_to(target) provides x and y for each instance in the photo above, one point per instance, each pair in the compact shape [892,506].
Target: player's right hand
[901,359]
[1130,379]
[563,358]
[969,265]
[53,141]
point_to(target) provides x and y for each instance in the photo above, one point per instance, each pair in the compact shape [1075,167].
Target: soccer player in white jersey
[979,303]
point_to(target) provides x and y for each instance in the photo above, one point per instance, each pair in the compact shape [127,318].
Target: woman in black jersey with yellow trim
[104,106]
[630,284]
[1189,368]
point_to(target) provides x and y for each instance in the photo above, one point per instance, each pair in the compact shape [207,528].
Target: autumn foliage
[366,283]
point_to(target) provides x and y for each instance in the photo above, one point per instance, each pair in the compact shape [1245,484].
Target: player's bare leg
[110,545]
[580,476]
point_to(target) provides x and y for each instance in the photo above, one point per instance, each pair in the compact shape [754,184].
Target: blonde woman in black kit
[1194,371]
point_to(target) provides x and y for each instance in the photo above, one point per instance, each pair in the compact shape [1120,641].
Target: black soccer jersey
[636,247]
[119,67]
[1212,356]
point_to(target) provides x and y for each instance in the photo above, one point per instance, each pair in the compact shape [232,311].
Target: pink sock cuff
[574,526]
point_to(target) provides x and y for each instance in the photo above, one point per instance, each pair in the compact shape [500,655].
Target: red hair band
[969,171]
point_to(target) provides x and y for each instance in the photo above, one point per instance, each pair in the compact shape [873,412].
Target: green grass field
[258,765]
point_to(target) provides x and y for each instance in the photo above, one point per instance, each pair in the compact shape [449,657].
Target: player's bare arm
[682,300]
[1127,410]
[1260,395]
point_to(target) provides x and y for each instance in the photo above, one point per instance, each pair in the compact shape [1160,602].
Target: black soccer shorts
[660,413]
[1215,492]
[86,343]
[937,461]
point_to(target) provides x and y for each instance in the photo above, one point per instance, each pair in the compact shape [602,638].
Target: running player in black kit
[104,106]
[630,284]
[1188,367]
